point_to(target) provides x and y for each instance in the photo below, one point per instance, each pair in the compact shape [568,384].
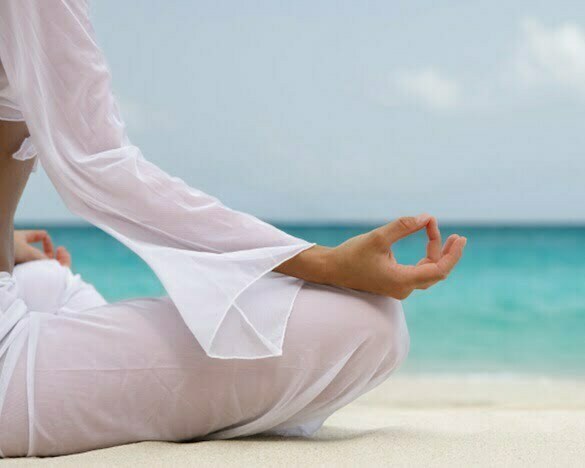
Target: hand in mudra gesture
[366,262]
[26,251]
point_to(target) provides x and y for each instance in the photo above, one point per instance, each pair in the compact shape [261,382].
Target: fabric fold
[14,321]
[27,151]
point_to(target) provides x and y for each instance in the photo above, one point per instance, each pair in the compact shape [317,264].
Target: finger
[35,236]
[423,275]
[48,247]
[63,257]
[45,238]
[452,257]
[434,244]
[402,227]
[32,253]
[449,243]
[430,273]
[446,247]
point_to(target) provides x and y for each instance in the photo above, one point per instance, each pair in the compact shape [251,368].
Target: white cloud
[548,57]
[551,56]
[429,87]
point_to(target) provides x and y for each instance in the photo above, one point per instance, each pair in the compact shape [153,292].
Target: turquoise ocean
[515,304]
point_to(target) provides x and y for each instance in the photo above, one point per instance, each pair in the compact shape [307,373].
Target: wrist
[312,265]
[6,247]
[322,261]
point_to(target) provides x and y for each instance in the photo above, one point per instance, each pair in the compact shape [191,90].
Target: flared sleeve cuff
[234,303]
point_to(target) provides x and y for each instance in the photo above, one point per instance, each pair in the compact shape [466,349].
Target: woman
[212,360]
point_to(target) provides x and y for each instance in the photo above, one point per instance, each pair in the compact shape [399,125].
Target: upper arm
[12,134]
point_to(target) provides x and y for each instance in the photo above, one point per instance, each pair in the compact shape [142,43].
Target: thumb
[404,226]
[33,253]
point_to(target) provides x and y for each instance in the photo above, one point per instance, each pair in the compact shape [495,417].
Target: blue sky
[354,111]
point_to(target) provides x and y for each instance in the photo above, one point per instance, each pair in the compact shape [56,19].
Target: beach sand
[407,421]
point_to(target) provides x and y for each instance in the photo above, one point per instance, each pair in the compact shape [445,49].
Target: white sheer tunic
[79,374]
[215,263]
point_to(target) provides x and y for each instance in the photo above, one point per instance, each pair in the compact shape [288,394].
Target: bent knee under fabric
[47,286]
[38,287]
[132,371]
[375,324]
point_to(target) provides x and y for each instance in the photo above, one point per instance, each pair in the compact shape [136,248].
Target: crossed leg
[132,371]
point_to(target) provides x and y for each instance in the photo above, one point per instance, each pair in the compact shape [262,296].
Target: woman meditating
[261,332]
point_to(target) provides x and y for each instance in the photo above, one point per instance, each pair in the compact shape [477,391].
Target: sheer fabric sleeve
[215,263]
[8,108]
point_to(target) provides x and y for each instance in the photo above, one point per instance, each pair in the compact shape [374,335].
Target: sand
[408,421]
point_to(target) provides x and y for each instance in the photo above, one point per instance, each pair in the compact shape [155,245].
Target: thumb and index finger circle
[404,226]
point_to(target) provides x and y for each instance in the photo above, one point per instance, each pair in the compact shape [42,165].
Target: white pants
[109,374]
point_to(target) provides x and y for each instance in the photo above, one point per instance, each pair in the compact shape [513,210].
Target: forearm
[310,265]
[6,246]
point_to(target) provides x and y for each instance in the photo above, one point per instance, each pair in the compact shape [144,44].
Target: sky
[336,111]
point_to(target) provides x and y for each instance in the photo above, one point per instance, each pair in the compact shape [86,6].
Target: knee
[41,270]
[373,326]
[388,332]
[42,284]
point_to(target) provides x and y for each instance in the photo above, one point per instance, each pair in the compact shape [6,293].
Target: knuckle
[407,222]
[443,275]
[401,294]
[377,236]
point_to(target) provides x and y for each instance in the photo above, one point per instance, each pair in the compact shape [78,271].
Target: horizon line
[350,223]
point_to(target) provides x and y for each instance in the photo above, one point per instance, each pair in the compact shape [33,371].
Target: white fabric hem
[275,348]
[26,151]
[10,114]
